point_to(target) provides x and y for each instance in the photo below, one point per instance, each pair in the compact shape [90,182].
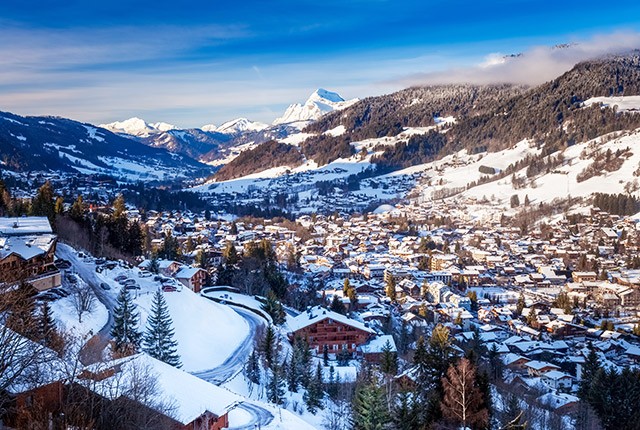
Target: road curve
[235,362]
[260,417]
[233,365]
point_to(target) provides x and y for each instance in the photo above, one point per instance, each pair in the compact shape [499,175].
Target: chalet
[165,267]
[557,380]
[27,252]
[193,278]
[195,403]
[538,368]
[584,276]
[322,327]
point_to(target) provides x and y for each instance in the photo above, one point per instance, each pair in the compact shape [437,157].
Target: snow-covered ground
[624,103]
[66,316]
[207,333]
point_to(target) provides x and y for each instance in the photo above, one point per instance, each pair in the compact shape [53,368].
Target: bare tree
[336,416]
[462,402]
[83,300]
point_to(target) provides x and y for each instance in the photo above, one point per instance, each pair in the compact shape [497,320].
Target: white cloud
[534,66]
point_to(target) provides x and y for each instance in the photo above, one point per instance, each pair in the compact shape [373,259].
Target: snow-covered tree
[126,336]
[158,340]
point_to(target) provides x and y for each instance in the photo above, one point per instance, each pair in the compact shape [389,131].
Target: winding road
[92,351]
[235,362]
[233,365]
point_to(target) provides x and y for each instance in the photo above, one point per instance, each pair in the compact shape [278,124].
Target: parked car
[144,274]
[100,260]
[62,264]
[71,278]
[169,288]
[120,278]
[110,265]
[132,287]
[104,286]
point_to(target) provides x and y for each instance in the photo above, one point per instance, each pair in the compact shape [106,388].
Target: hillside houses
[27,252]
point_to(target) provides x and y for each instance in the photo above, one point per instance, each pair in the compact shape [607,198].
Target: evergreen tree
[274,309]
[154,264]
[589,370]
[252,368]
[406,412]
[325,354]
[389,360]
[125,332]
[369,408]
[43,203]
[313,397]
[47,331]
[158,340]
[520,305]
[513,419]
[268,347]
[276,384]
[337,305]
[170,249]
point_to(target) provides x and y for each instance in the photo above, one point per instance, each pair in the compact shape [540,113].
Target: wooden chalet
[320,327]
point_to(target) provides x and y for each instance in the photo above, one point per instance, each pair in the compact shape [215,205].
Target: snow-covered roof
[26,247]
[377,344]
[26,225]
[317,314]
[187,272]
[188,395]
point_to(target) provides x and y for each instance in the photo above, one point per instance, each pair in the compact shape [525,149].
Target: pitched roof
[188,395]
[317,314]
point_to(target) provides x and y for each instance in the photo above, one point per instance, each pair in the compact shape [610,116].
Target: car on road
[62,264]
[104,286]
[47,297]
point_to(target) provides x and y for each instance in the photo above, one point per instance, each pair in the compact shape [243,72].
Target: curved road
[233,365]
[235,362]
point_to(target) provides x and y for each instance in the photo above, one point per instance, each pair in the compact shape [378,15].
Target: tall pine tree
[158,339]
[125,334]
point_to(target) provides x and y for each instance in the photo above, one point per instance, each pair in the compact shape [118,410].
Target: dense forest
[488,117]
[262,157]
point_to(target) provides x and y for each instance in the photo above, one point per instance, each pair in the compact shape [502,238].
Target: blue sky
[198,62]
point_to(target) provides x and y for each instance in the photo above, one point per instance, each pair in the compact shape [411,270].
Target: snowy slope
[624,103]
[459,170]
[318,104]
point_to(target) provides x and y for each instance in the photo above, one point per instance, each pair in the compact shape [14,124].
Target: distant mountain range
[394,131]
[58,144]
[219,144]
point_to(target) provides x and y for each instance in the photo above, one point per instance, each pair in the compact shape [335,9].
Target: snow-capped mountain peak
[138,127]
[319,103]
[236,126]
